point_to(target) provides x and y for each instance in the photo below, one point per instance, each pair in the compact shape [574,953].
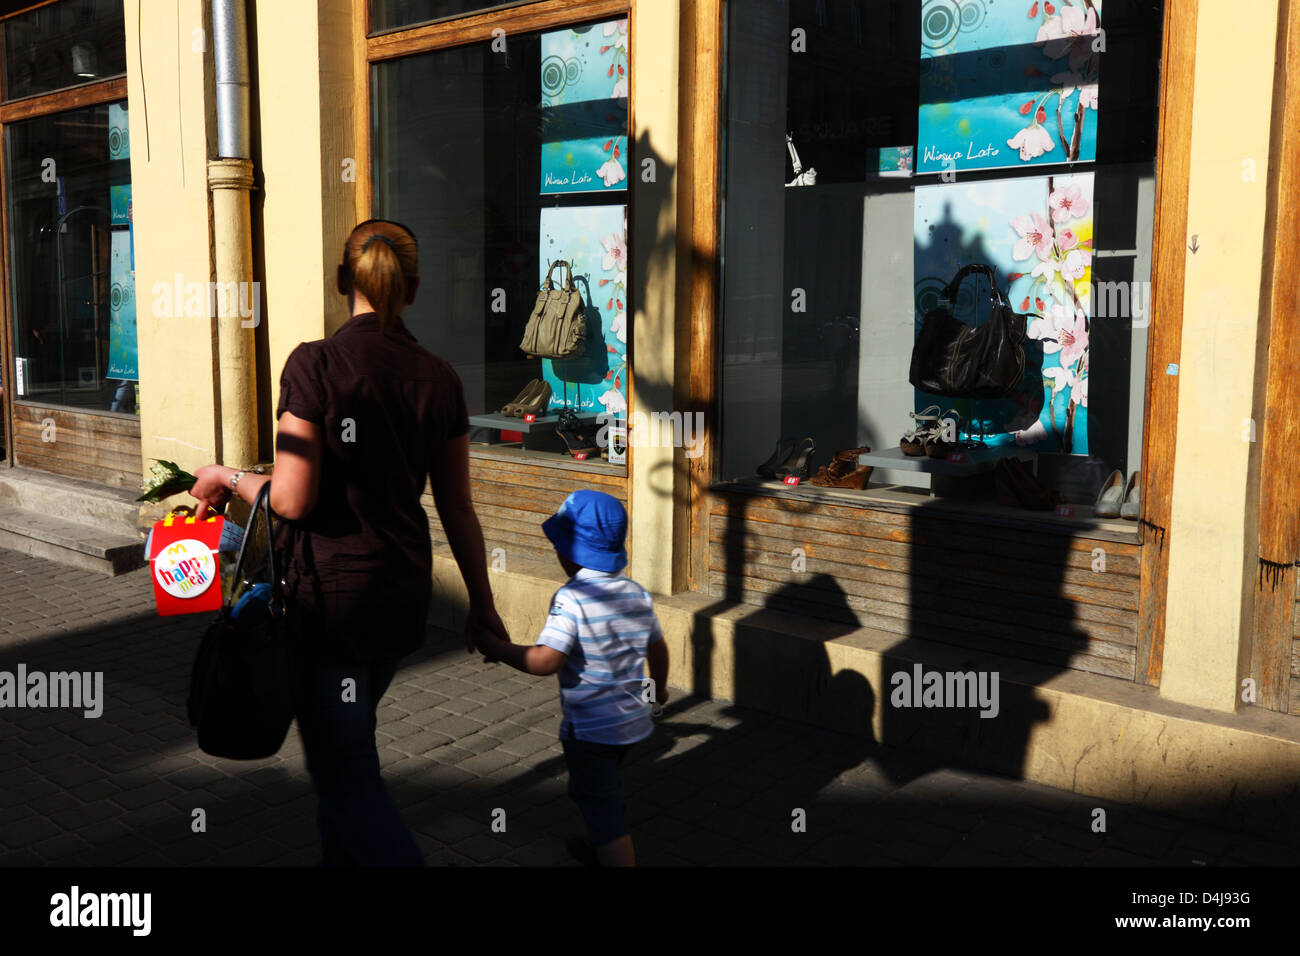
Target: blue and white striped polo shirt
[603,622]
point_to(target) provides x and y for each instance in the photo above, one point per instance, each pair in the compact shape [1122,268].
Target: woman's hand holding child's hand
[484,629]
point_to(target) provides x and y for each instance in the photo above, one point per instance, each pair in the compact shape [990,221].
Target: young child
[601,629]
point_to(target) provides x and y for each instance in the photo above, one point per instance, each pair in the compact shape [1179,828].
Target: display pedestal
[965,475]
[533,431]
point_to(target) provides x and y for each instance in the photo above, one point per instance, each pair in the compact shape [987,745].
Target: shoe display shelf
[947,472]
[542,423]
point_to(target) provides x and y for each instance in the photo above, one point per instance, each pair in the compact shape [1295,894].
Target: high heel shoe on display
[924,423]
[536,403]
[1132,507]
[797,465]
[510,408]
[844,471]
[576,442]
[935,445]
[783,448]
[1110,497]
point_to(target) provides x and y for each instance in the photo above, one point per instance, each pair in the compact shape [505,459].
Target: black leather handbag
[242,688]
[958,360]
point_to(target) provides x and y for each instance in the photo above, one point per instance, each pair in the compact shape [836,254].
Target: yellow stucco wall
[305,128]
[169,153]
[304,92]
[653,479]
[1212,541]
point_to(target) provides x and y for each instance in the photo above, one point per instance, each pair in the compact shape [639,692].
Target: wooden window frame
[448,34]
[31,107]
[445,35]
[704,63]
[1274,613]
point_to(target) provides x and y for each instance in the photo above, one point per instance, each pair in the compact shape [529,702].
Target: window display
[71,248]
[60,45]
[517,170]
[937,229]
[395,14]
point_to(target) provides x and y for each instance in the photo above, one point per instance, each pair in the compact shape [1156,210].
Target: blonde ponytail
[381,258]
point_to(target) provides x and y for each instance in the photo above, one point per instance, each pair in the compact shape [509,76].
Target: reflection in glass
[61,45]
[392,14]
[863,169]
[520,161]
[71,260]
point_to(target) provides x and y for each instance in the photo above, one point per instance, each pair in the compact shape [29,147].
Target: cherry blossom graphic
[611,172]
[1035,236]
[615,257]
[1068,203]
[1032,141]
[1061,324]
[1067,32]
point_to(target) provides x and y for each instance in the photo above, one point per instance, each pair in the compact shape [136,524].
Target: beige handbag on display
[557,327]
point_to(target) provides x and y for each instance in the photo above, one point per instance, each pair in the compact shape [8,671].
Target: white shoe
[1111,497]
[1132,507]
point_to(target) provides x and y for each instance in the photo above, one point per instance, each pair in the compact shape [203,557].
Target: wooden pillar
[1278,409]
[698,252]
[1173,168]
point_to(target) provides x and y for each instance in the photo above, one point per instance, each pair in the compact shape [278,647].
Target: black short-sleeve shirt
[360,563]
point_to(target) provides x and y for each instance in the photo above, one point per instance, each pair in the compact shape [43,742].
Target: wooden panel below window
[513,498]
[101,448]
[1022,592]
[1293,697]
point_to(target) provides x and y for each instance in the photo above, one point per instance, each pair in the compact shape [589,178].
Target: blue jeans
[359,823]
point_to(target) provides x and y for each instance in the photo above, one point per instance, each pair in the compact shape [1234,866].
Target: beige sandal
[913,443]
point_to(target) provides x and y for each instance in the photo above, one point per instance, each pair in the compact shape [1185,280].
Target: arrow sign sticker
[1194,246]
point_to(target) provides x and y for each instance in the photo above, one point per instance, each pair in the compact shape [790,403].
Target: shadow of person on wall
[740,773]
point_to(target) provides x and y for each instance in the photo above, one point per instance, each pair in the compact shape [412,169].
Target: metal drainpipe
[230,178]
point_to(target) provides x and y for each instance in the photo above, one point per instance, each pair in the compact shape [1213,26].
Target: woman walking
[365,416]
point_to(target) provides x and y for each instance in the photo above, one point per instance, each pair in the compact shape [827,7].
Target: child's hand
[483,622]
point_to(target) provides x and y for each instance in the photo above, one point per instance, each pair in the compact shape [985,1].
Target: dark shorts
[594,786]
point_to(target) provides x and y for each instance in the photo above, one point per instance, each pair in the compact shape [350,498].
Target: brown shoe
[1017,487]
[924,425]
[934,445]
[536,403]
[844,471]
[511,409]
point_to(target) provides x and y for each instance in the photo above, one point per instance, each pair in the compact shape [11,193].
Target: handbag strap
[261,503]
[567,275]
[975,268]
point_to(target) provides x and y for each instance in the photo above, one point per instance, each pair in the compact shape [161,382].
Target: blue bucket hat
[589,530]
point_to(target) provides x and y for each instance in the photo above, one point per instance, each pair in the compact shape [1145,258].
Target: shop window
[72,270]
[505,158]
[61,45]
[873,149]
[398,14]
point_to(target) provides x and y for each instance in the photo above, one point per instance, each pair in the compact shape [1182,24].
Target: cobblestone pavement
[459,739]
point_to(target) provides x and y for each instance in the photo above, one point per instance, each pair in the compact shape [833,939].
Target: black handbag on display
[242,688]
[958,360]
